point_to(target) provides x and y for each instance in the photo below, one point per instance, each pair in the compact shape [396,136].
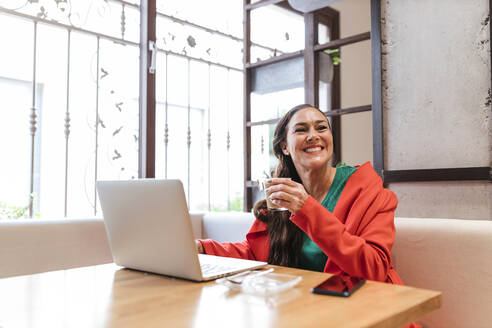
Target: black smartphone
[339,286]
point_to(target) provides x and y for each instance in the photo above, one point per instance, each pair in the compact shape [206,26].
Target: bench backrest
[454,257]
[47,245]
[35,246]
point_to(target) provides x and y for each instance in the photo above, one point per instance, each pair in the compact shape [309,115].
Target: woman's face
[309,141]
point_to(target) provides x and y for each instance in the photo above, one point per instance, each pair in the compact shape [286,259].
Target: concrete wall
[436,98]
[355,70]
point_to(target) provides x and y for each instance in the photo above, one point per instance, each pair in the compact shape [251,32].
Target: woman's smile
[313,149]
[309,141]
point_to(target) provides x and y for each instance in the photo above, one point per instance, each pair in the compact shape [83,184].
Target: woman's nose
[312,134]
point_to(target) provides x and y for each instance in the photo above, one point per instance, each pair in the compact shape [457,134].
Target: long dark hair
[285,237]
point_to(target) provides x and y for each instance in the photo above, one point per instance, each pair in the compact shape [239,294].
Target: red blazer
[357,237]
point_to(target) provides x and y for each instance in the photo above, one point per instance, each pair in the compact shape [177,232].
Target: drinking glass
[263,185]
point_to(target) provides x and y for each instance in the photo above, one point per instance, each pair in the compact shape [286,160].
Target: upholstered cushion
[452,256]
[196,224]
[230,226]
[33,246]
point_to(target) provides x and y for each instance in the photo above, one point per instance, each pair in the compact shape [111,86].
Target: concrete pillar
[437,102]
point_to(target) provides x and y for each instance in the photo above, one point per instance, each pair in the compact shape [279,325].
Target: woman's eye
[322,127]
[300,130]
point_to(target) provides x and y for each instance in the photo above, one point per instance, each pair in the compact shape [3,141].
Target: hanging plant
[335,55]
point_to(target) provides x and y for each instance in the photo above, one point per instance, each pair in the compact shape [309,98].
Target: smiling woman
[303,143]
[341,220]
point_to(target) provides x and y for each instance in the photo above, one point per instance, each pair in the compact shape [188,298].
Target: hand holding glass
[263,185]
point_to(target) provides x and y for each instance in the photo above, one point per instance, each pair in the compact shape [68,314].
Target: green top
[312,257]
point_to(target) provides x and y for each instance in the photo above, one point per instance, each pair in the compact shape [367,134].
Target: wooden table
[110,296]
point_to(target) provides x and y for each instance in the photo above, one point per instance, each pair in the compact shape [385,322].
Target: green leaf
[332,51]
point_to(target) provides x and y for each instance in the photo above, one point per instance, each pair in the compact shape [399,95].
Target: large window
[199,136]
[69,109]
[69,105]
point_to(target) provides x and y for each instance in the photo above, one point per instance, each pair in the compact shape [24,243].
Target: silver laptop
[149,229]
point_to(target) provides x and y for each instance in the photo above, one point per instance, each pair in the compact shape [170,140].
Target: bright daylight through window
[69,84]
[69,80]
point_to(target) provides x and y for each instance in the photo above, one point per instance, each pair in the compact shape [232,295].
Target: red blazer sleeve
[240,250]
[359,244]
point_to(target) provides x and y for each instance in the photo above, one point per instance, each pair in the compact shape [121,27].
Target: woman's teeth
[312,150]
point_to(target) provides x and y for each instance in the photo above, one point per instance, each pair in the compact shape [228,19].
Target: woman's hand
[199,247]
[287,193]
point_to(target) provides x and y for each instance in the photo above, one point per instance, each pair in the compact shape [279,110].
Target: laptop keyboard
[209,269]
[217,266]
